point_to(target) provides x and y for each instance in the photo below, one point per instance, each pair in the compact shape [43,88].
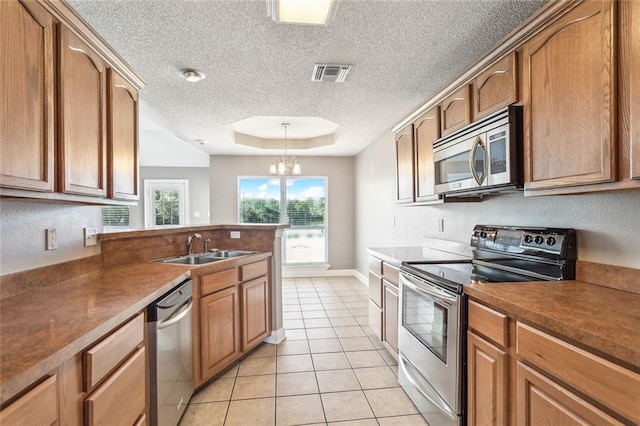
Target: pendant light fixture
[284,165]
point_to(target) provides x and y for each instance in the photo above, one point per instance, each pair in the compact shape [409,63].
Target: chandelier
[284,165]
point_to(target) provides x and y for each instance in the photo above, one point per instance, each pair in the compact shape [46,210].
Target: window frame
[283,214]
[150,186]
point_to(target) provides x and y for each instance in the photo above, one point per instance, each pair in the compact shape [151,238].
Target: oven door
[461,165]
[429,336]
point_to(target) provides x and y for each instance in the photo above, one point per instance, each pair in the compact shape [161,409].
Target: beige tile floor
[331,369]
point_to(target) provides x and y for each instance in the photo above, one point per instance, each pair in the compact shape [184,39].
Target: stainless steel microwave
[484,157]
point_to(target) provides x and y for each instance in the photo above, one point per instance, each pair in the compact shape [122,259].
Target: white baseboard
[277,336]
[302,272]
[361,277]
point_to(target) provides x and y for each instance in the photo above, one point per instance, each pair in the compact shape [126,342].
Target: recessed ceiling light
[192,75]
[309,12]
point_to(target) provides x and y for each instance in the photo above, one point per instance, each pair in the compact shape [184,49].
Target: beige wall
[340,195]
[608,223]
[22,233]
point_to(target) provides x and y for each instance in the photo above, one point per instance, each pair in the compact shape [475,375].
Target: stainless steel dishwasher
[170,334]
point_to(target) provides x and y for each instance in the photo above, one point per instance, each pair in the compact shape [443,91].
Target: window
[115,218]
[300,202]
[166,202]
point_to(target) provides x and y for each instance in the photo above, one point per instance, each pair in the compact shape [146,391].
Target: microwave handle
[472,164]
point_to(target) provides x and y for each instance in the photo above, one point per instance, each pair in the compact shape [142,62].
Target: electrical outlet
[51,239]
[90,236]
[440,225]
[235,234]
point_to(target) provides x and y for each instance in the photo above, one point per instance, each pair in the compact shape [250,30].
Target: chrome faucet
[206,245]
[190,241]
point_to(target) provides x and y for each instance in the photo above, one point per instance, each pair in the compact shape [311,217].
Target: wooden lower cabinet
[255,312]
[233,316]
[383,302]
[219,331]
[390,314]
[487,382]
[488,360]
[121,400]
[541,401]
[39,406]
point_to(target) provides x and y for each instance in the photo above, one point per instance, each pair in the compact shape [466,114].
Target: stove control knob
[483,234]
[539,240]
[476,234]
[551,241]
[528,238]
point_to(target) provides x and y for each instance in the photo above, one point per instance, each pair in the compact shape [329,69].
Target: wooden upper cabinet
[629,88]
[82,106]
[123,138]
[496,87]
[569,83]
[404,165]
[456,110]
[27,109]
[427,131]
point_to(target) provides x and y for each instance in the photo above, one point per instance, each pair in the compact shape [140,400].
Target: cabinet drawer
[103,357]
[489,323]
[121,399]
[608,383]
[391,273]
[39,406]
[218,280]
[375,265]
[254,270]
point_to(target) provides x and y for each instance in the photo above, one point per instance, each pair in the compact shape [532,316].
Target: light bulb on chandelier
[284,165]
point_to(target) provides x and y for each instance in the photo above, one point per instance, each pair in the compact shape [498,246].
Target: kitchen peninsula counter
[41,328]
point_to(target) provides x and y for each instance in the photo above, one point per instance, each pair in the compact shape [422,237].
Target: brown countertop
[600,318]
[42,328]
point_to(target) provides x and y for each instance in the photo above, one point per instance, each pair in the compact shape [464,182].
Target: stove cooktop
[456,275]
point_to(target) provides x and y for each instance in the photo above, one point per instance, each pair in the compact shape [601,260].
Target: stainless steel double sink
[204,258]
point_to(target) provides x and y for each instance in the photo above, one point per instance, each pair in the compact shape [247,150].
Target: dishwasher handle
[177,316]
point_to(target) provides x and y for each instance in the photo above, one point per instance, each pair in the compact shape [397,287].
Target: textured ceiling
[402,53]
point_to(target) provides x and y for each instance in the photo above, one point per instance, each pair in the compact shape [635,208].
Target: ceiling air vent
[330,73]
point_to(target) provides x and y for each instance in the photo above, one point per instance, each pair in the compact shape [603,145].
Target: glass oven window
[453,169]
[427,320]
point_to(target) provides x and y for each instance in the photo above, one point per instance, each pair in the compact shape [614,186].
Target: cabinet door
[375,319]
[390,314]
[495,87]
[487,382]
[544,402]
[255,312]
[629,84]
[39,406]
[375,289]
[123,138]
[456,110]
[569,83]
[427,131]
[219,331]
[404,165]
[82,106]
[27,108]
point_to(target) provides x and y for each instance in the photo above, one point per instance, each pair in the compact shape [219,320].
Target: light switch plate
[235,234]
[90,236]
[51,237]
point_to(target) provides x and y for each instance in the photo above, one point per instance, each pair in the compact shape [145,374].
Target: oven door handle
[436,295]
[434,399]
